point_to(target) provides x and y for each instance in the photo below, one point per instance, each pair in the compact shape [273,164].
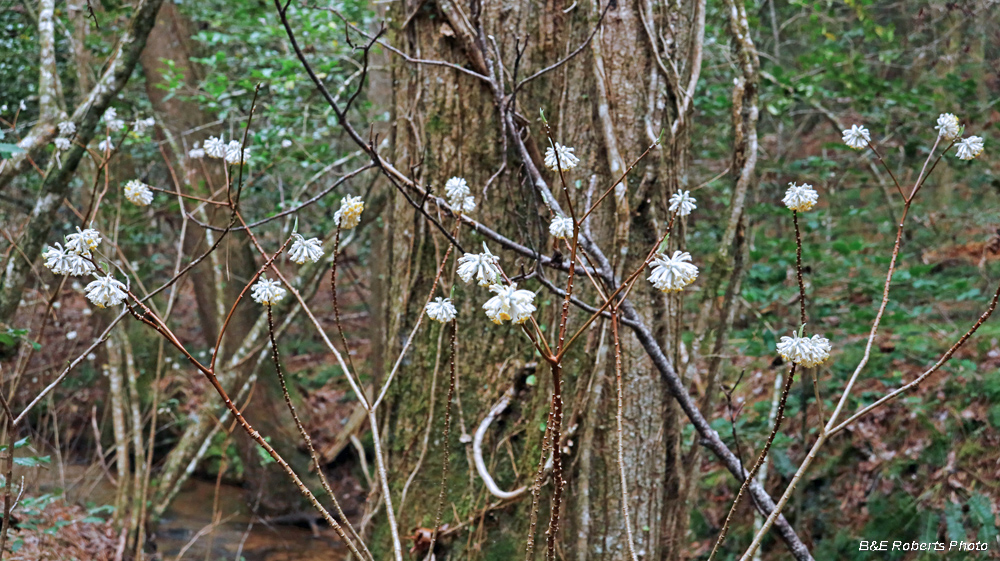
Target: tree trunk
[610,102]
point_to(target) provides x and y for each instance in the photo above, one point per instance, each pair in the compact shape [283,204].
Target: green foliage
[6,150]
[19,45]
[223,453]
[864,62]
[26,461]
[12,336]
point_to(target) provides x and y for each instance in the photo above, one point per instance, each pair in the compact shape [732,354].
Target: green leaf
[12,335]
[10,148]
[929,530]
[32,461]
[982,512]
[101,509]
[953,522]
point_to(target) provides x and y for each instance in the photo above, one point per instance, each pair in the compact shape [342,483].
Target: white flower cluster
[948,127]
[236,154]
[482,266]
[66,130]
[267,292]
[800,197]
[674,273]
[106,291]
[349,214]
[804,351]
[682,203]
[561,227]
[111,120]
[83,241]
[63,262]
[441,309]
[459,195]
[566,159]
[215,147]
[141,125]
[303,250]
[138,193]
[196,153]
[76,259]
[857,137]
[509,303]
[969,148]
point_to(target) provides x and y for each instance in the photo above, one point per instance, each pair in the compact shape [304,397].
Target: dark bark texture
[610,102]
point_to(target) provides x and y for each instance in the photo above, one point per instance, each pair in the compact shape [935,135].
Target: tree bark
[609,103]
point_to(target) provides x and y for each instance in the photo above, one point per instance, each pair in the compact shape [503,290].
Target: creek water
[186,531]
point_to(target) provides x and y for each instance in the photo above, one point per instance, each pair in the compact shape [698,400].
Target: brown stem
[625,286]
[336,304]
[536,490]
[232,309]
[447,433]
[798,269]
[557,467]
[621,436]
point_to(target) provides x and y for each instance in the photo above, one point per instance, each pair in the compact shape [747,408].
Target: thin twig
[306,438]
[621,437]
[446,445]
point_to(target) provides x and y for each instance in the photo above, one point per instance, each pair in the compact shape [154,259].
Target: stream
[186,533]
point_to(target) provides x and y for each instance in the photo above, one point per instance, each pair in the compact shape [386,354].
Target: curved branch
[477,450]
[937,365]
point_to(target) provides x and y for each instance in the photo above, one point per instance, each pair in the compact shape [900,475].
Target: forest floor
[926,462]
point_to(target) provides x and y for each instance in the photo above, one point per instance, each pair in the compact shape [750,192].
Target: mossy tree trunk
[611,101]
